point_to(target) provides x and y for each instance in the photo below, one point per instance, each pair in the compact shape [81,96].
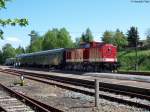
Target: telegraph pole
[136,55]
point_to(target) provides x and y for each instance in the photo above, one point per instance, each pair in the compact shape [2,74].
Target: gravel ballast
[66,100]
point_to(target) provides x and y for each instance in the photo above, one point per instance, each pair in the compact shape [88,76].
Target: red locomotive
[93,56]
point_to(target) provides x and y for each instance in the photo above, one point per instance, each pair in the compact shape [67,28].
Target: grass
[128,60]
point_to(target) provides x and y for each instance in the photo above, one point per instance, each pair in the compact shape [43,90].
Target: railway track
[135,73]
[140,73]
[11,104]
[105,88]
[12,101]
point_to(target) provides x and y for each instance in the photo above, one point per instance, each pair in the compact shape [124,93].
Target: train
[10,61]
[92,56]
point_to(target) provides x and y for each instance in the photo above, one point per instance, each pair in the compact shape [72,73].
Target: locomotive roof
[40,53]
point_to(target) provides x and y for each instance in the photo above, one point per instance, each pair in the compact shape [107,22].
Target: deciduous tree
[12,22]
[50,39]
[108,37]
[20,50]
[119,39]
[35,42]
[8,51]
[36,45]
[64,39]
[57,39]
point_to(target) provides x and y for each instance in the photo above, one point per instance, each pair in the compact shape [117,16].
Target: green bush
[128,60]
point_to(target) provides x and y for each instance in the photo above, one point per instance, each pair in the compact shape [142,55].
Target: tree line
[60,38]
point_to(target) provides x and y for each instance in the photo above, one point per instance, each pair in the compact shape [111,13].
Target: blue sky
[75,16]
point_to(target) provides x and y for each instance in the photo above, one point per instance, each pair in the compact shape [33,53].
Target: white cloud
[13,39]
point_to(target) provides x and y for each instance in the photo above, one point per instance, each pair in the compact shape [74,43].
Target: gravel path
[64,99]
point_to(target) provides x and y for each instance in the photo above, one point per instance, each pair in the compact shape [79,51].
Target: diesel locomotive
[93,56]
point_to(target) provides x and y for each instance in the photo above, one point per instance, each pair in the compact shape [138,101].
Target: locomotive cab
[109,57]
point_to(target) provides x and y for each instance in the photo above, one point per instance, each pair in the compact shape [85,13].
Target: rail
[97,85]
[36,105]
[135,73]
[119,100]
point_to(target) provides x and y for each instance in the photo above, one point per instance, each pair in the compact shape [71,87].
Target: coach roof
[39,53]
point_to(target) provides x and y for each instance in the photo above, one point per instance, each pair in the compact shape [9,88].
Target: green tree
[8,51]
[35,42]
[64,39]
[36,45]
[49,41]
[133,37]
[77,42]
[148,38]
[57,39]
[119,39]
[12,22]
[87,36]
[20,50]
[28,49]
[83,38]
[133,40]
[108,37]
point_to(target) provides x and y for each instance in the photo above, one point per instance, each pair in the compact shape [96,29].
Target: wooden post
[96,92]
